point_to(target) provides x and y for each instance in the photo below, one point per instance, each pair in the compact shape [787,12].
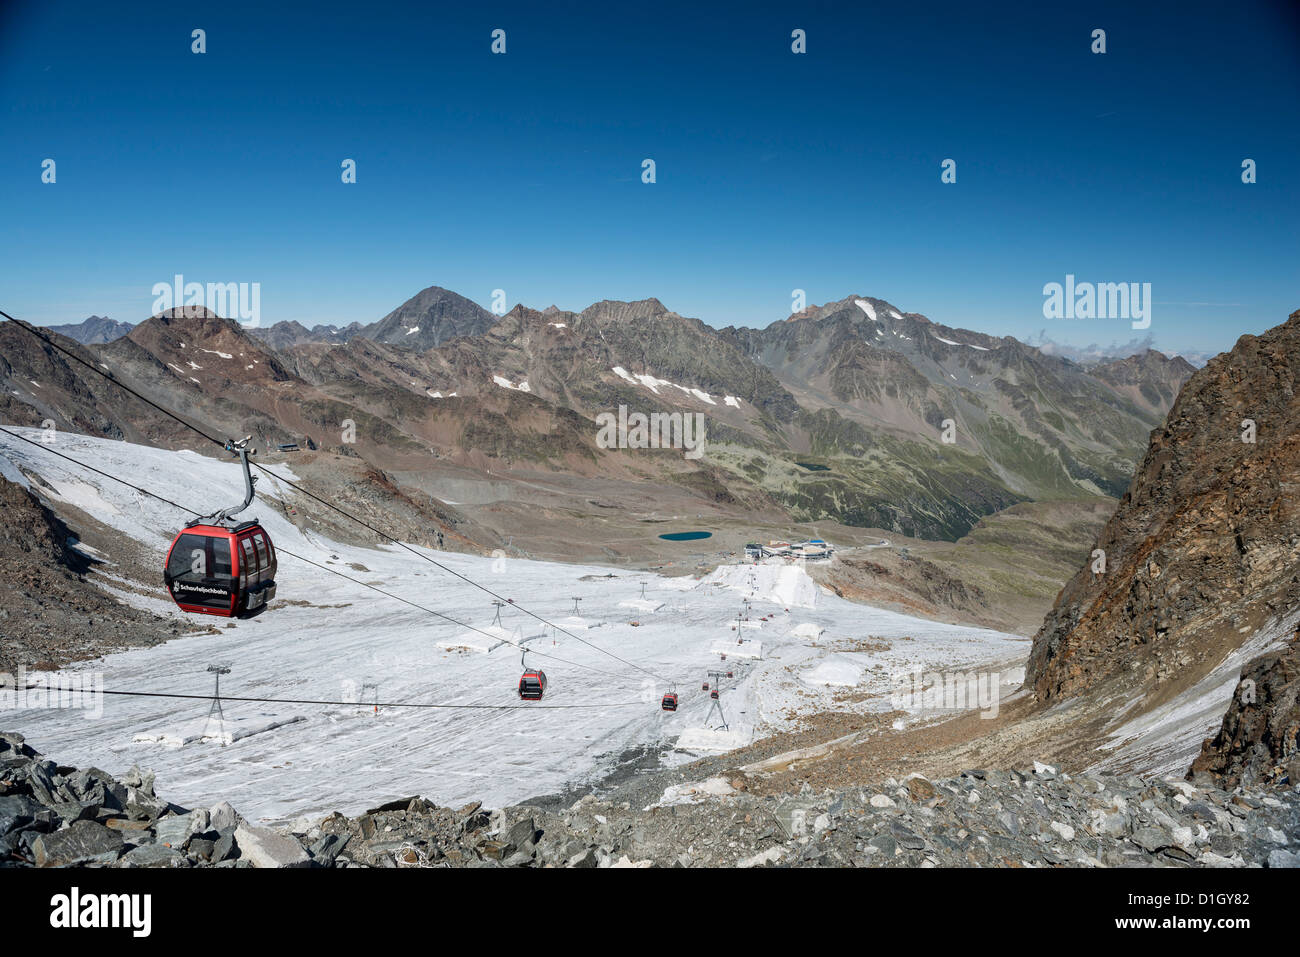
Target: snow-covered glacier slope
[325,638]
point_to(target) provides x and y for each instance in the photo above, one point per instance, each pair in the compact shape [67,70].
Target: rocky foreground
[54,816]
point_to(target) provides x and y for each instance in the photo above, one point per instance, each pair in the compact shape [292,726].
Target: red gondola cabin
[532,685]
[670,702]
[214,570]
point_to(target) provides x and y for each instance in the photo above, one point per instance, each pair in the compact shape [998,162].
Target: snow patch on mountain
[507,384]
[950,342]
[654,384]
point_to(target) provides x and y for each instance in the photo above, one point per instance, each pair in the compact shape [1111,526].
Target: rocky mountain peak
[429,318]
[186,312]
[619,311]
[93,330]
[522,313]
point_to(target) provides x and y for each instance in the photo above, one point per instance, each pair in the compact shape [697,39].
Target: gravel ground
[1039,817]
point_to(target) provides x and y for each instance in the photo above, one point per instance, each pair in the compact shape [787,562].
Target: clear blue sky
[775,171]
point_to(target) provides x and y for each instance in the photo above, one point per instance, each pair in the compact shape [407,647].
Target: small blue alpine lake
[685,536]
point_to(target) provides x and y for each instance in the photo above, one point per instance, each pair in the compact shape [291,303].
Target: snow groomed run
[330,639]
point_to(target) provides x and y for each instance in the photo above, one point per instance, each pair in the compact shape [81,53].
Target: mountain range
[835,415]
[93,330]
[854,413]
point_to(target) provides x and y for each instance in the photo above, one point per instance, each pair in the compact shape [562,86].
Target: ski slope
[326,638]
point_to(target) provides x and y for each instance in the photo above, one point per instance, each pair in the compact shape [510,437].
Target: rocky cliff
[1259,741]
[1202,552]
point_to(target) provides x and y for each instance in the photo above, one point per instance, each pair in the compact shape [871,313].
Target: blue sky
[775,171]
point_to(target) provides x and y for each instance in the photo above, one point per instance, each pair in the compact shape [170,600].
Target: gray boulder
[83,842]
[153,855]
[223,817]
[1151,839]
[521,833]
[263,847]
[174,830]
[325,850]
[18,811]
[224,847]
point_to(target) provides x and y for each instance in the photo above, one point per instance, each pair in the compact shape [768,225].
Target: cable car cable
[455,573]
[332,571]
[367,704]
[107,375]
[111,378]
[461,624]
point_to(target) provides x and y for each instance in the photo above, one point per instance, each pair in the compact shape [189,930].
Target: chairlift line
[111,378]
[453,572]
[312,495]
[350,704]
[301,558]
